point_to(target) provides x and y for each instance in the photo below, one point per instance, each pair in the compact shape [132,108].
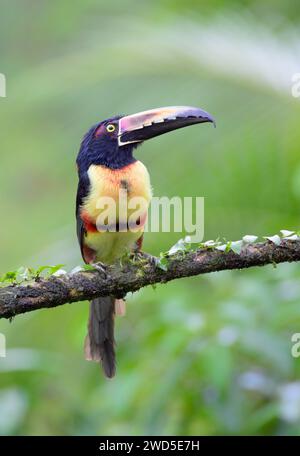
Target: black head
[100,147]
[111,142]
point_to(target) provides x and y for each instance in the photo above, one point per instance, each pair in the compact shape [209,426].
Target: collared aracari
[106,165]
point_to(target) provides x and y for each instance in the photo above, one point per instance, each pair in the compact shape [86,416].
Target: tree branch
[55,291]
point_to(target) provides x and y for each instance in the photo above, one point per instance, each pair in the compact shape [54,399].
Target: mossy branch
[134,274]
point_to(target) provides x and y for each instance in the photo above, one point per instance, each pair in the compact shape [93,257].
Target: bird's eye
[110,128]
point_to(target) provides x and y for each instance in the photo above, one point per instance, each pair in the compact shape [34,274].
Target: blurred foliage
[209,355]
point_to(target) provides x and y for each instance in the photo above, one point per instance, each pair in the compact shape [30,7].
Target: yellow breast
[116,196]
[109,183]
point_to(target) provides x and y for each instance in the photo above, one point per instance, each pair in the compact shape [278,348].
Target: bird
[107,168]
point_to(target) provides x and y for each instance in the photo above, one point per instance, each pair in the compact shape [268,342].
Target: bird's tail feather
[99,342]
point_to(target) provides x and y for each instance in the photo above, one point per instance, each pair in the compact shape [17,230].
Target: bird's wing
[82,192]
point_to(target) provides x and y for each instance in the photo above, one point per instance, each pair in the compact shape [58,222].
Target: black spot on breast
[125,185]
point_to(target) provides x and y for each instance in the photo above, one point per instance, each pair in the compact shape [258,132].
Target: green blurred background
[209,355]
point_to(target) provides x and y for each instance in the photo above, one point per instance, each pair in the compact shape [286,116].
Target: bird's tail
[99,342]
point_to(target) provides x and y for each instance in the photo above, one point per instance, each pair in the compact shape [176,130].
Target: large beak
[155,122]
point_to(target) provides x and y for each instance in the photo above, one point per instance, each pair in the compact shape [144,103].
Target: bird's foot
[143,256]
[101,268]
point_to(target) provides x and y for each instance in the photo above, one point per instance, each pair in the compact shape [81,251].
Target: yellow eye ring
[110,128]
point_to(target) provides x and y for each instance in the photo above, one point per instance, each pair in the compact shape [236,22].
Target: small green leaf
[236,246]
[59,272]
[222,247]
[275,239]
[287,233]
[42,269]
[76,269]
[183,245]
[58,267]
[25,273]
[10,276]
[48,270]
[293,237]
[163,263]
[228,246]
[210,244]
[179,246]
[249,239]
[88,267]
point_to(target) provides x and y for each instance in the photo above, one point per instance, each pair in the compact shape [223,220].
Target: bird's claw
[101,268]
[139,255]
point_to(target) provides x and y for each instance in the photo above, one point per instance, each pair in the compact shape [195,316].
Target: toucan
[107,169]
